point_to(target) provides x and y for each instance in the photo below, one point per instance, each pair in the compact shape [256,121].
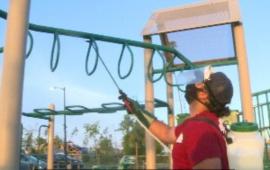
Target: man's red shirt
[197,141]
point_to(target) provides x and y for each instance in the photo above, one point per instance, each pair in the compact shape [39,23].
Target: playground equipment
[262,111]
[169,23]
[50,126]
[11,87]
[8,92]
[162,23]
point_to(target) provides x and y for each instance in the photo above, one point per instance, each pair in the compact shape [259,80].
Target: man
[199,142]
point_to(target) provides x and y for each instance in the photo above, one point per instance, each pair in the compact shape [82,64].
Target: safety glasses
[194,76]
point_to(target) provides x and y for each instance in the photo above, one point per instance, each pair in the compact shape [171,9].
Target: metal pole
[50,156]
[149,106]
[169,89]
[12,83]
[65,127]
[65,123]
[246,97]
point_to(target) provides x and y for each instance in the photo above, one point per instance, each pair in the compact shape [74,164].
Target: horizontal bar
[35,115]
[60,31]
[261,92]
[81,110]
[44,113]
[261,104]
[213,63]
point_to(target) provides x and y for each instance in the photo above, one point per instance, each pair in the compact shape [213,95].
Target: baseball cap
[220,87]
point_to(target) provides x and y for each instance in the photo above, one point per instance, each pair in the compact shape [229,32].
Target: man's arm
[163,132]
[210,163]
[157,128]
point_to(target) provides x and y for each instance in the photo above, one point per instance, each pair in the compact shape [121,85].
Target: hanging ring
[163,62]
[150,74]
[87,58]
[170,63]
[120,61]
[56,44]
[31,44]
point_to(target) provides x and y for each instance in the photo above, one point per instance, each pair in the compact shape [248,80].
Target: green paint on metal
[258,110]
[31,40]
[181,67]
[74,110]
[36,115]
[92,44]
[97,37]
[262,109]
[45,111]
[150,69]
[92,38]
[244,127]
[268,105]
[56,44]
[261,92]
[120,61]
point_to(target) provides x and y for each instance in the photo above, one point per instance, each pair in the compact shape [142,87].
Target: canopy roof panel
[203,14]
[212,44]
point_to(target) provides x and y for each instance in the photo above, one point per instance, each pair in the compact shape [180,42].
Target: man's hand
[133,107]
[128,105]
[127,102]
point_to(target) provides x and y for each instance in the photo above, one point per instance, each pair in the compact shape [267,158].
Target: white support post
[12,84]
[169,90]
[246,97]
[50,156]
[149,106]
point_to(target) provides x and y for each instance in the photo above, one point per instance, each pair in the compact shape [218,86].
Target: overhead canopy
[203,14]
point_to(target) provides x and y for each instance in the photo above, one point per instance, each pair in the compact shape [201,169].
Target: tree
[74,132]
[134,141]
[91,131]
[103,148]
[58,142]
[126,125]
[134,137]
[42,145]
[28,142]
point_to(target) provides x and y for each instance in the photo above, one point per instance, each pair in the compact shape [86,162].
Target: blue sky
[124,19]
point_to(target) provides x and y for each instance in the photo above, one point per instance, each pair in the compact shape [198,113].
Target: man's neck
[196,107]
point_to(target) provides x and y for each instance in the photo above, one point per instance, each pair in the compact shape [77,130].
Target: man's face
[196,92]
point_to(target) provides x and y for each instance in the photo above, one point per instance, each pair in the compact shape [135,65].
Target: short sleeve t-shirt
[197,141]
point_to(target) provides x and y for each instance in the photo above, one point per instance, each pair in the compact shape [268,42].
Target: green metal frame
[44,113]
[90,37]
[260,107]
[97,37]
